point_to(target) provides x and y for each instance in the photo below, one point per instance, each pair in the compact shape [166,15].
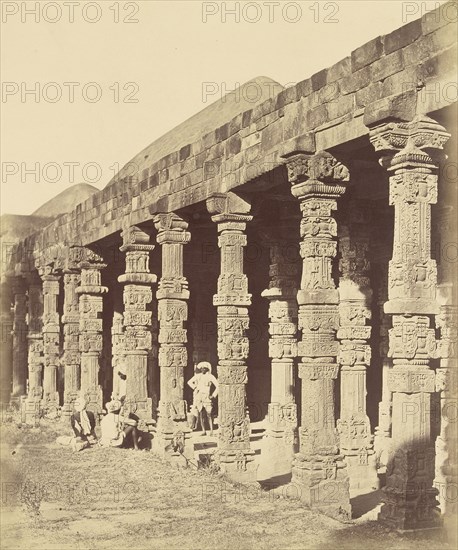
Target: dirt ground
[53,498]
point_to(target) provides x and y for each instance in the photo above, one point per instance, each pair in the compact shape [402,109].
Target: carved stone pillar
[117,351]
[409,496]
[172,295]
[51,340]
[281,436]
[382,437]
[6,343]
[35,349]
[19,338]
[446,474]
[355,293]
[317,181]
[234,456]
[138,338]
[72,357]
[90,293]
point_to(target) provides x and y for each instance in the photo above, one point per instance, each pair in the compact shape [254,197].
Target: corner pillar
[410,154]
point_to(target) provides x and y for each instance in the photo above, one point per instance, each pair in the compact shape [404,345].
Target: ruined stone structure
[306,248]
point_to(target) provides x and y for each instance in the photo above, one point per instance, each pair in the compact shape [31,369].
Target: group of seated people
[117,430]
[120,430]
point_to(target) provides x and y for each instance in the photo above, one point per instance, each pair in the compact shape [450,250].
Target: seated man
[83,423]
[115,428]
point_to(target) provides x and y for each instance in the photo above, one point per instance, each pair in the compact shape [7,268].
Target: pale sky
[164,58]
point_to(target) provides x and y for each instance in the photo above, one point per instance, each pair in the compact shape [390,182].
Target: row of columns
[334,332]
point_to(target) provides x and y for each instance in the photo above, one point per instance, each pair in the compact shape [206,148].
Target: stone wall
[403,73]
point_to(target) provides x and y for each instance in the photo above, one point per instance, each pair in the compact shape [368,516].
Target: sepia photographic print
[229,275]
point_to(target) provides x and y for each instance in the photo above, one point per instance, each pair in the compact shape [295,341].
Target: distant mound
[14,228]
[242,99]
[66,201]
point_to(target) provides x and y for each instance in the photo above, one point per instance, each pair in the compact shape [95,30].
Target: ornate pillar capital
[316,175]
[422,133]
[171,229]
[229,211]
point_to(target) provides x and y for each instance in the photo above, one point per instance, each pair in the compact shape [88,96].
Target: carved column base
[446,480]
[409,501]
[323,484]
[362,471]
[173,442]
[382,437]
[91,391]
[31,410]
[50,405]
[69,399]
[137,400]
[238,465]
[356,445]
[280,442]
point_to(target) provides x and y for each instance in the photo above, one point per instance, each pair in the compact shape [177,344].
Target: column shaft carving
[172,296]
[317,181]
[19,338]
[35,350]
[72,356]
[446,473]
[230,213]
[283,314]
[410,153]
[90,293]
[51,340]
[355,293]
[117,351]
[382,438]
[138,337]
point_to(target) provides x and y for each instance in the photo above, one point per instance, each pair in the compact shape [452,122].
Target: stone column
[382,437]
[72,357]
[281,435]
[172,295]
[409,496]
[19,339]
[6,343]
[234,456]
[90,293]
[138,340]
[51,341]
[117,350]
[355,293]
[35,349]
[446,474]
[320,471]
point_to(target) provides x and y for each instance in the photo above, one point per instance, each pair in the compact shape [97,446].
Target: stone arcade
[305,248]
